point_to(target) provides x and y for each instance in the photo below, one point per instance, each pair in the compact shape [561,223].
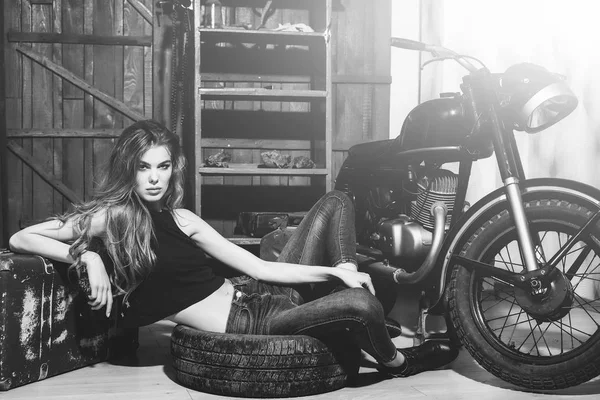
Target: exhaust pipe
[399,275]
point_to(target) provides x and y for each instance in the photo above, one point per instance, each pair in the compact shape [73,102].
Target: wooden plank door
[76,73]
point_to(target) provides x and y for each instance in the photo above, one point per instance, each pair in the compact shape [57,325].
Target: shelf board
[244,240]
[239,77]
[252,169]
[261,94]
[260,37]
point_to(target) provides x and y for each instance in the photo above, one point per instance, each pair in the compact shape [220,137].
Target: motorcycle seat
[370,150]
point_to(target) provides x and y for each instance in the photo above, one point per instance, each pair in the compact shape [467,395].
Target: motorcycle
[515,274]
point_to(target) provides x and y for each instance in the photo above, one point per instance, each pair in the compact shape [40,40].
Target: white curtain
[562,36]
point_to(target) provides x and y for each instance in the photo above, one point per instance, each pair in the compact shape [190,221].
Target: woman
[158,251]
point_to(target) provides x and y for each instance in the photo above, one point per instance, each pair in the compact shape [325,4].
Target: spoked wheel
[546,340]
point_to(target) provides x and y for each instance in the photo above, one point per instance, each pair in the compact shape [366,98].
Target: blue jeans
[326,236]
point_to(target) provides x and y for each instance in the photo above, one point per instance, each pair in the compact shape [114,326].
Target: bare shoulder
[199,230]
[189,222]
[184,216]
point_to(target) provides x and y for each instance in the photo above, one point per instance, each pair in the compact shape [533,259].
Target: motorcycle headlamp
[538,98]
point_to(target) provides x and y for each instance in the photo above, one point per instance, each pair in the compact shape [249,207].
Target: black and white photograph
[310,199]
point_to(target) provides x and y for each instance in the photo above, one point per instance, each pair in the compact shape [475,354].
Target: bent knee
[364,305]
[338,196]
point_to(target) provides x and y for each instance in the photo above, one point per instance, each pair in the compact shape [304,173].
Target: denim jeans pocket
[240,320]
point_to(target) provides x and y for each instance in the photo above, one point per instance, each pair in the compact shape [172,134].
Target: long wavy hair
[129,229]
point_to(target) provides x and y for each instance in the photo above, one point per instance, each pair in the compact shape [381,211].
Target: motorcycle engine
[438,186]
[403,233]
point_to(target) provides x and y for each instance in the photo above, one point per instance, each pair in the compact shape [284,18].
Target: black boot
[426,357]
[393,327]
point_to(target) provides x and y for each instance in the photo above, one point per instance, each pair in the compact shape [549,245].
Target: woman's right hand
[355,279]
[101,294]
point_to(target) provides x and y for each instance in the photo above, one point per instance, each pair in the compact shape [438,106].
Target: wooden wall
[63,129]
[68,132]
[361,33]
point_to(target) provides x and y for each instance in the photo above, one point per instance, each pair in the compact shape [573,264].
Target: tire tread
[258,365]
[556,377]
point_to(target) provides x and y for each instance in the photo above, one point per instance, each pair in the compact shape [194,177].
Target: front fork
[526,244]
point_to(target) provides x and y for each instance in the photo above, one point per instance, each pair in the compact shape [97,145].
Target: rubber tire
[561,374]
[260,365]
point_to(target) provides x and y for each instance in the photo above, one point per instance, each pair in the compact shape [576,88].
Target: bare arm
[47,239]
[50,239]
[247,263]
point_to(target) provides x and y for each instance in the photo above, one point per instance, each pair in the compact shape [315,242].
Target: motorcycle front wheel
[493,319]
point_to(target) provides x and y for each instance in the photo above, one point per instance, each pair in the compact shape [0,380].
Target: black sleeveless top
[181,276]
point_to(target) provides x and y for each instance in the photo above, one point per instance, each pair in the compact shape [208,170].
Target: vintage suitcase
[46,325]
[258,223]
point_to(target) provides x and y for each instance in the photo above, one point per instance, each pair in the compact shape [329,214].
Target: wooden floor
[152,378]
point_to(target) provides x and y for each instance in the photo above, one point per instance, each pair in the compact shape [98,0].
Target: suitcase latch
[48,266]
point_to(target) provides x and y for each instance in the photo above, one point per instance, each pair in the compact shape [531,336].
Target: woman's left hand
[354,279]
[100,285]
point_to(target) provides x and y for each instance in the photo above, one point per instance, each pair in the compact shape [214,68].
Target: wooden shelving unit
[281,79]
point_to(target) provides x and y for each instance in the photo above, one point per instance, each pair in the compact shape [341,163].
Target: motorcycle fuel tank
[435,123]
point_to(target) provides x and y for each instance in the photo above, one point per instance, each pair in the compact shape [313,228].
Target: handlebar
[437,51]
[409,44]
